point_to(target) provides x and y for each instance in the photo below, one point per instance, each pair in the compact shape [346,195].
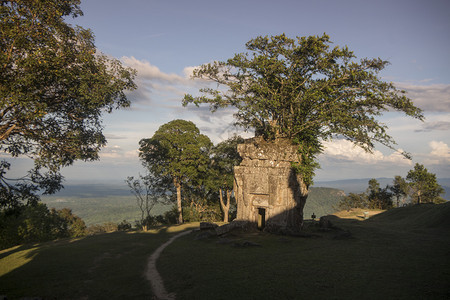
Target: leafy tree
[353,201]
[424,186]
[148,192]
[74,225]
[399,188]
[36,223]
[54,87]
[373,190]
[377,197]
[224,158]
[178,154]
[303,90]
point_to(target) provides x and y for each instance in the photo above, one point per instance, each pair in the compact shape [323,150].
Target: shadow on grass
[381,259]
[104,266]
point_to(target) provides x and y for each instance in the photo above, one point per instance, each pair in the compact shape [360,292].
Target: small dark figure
[313,216]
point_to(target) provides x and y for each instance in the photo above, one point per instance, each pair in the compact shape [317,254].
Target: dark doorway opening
[261,218]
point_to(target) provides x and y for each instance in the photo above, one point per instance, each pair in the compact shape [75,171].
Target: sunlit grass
[357,213]
[14,260]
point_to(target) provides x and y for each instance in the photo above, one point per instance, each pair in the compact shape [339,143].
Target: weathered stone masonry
[267,190]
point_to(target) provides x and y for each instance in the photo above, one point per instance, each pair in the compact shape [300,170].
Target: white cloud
[156,87]
[188,71]
[434,97]
[145,70]
[111,152]
[440,153]
[118,156]
[347,151]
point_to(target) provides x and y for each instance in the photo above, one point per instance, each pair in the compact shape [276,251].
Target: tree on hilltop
[353,200]
[399,188]
[178,154]
[54,87]
[424,185]
[304,90]
[378,198]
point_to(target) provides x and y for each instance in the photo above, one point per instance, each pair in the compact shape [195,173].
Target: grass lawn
[402,255]
[107,266]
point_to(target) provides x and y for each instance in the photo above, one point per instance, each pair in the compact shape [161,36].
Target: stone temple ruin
[268,191]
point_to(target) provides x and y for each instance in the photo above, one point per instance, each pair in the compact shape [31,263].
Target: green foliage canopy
[424,185]
[304,90]
[178,154]
[54,86]
[224,158]
[178,150]
[353,200]
[37,223]
[399,188]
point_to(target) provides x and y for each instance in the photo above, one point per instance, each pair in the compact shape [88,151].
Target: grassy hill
[399,254]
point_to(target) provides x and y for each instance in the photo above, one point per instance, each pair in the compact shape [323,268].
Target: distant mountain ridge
[360,185]
[322,201]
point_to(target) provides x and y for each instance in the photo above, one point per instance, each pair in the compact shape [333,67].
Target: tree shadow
[95,266]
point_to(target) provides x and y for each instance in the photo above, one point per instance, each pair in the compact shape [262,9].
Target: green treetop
[179,153]
[304,90]
[54,86]
[424,186]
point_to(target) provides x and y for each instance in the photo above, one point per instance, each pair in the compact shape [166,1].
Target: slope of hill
[416,216]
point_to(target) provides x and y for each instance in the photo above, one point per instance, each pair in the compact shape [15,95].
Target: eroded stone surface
[268,191]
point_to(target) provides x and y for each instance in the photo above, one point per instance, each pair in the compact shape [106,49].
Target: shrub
[36,223]
[102,228]
[353,201]
[124,226]
[206,213]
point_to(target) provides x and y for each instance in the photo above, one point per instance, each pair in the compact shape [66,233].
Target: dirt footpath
[152,274]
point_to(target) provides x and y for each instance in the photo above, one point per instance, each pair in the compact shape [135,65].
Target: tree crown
[304,90]
[54,87]
[176,150]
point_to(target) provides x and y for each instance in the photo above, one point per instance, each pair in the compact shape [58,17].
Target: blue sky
[165,39]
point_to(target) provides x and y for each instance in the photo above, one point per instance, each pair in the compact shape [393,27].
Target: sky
[164,40]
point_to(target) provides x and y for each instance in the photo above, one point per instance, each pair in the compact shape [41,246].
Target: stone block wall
[267,190]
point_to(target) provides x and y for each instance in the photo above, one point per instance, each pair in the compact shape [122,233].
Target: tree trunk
[179,208]
[226,207]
